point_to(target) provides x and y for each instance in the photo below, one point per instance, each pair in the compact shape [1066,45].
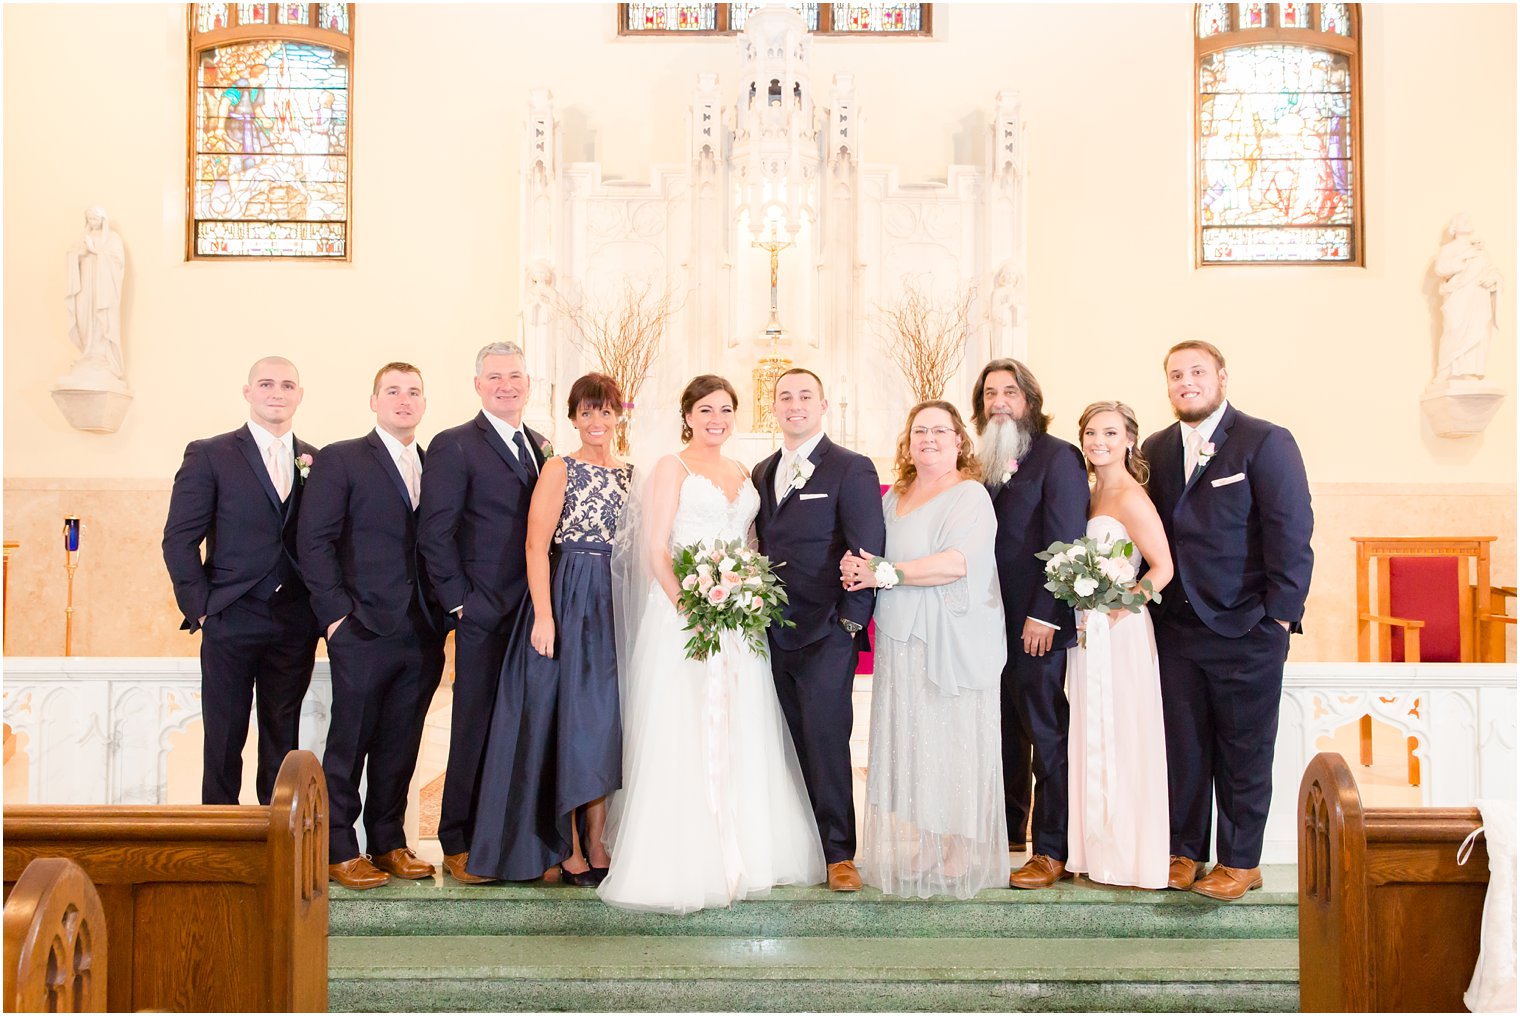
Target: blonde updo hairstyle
[1134,459]
[966,461]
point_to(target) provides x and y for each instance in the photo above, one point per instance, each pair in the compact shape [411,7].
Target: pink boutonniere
[1205,452]
[1013,467]
[547,449]
[303,465]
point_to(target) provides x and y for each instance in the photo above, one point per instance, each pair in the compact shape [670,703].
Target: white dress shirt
[264,439]
[509,435]
[784,467]
[1205,429]
[398,450]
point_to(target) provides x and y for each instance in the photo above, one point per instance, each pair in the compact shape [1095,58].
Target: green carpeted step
[690,973]
[1073,909]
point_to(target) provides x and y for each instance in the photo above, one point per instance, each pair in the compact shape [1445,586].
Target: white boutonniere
[1205,452]
[547,449]
[802,471]
[303,466]
[1013,467]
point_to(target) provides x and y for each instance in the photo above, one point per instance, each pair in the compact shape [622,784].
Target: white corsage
[885,573]
[802,472]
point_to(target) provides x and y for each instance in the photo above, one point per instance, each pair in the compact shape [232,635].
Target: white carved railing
[97,730]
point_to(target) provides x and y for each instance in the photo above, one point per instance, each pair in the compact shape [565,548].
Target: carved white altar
[765,150]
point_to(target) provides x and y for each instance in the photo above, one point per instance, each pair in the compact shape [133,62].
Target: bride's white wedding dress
[713,807]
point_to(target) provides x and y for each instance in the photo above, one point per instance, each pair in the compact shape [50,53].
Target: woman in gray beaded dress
[934,822]
[554,751]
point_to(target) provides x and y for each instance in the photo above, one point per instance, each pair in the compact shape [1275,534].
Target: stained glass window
[1293,15]
[269,166]
[1334,18]
[820,18]
[1213,19]
[1251,15]
[1277,147]
[738,14]
[210,17]
[253,14]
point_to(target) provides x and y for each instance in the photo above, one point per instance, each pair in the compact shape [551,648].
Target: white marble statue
[96,269]
[1469,296]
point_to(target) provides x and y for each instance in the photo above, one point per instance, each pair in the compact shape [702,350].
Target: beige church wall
[1340,355]
[124,605]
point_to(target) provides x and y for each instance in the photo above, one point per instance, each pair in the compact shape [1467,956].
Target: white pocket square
[809,497]
[1225,481]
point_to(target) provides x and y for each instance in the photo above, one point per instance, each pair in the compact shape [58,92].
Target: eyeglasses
[938,433]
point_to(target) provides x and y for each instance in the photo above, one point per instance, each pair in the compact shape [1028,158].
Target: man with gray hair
[473,525]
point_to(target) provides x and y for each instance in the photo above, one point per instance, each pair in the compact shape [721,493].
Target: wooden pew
[1387,919]
[55,941]
[208,907]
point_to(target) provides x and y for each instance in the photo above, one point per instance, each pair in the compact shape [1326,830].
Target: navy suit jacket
[358,539]
[837,509]
[223,495]
[1045,501]
[474,520]
[1240,527]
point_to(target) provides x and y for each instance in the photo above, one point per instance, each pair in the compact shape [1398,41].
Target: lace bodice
[1107,529]
[594,496]
[704,513]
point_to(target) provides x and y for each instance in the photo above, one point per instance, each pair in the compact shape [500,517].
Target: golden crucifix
[775,246]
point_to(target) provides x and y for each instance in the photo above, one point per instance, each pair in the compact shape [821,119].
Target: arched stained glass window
[1278,133]
[728,18]
[269,131]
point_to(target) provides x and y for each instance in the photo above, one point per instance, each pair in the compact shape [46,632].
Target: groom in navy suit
[385,633]
[1234,498]
[472,532]
[240,494]
[1039,493]
[818,500]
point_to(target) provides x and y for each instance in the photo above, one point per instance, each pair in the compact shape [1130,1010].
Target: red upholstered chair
[867,662]
[1434,604]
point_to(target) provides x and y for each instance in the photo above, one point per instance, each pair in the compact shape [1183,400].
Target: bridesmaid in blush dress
[1118,826]
[554,751]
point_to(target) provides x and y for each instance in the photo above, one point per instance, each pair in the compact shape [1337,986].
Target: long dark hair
[699,388]
[1039,421]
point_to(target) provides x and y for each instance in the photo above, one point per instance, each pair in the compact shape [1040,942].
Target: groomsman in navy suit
[818,500]
[358,539]
[1234,498]
[474,528]
[240,493]
[1039,493]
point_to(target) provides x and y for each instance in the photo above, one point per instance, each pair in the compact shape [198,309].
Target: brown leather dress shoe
[454,865]
[357,873]
[402,863]
[1228,883]
[1039,872]
[844,877]
[1184,872]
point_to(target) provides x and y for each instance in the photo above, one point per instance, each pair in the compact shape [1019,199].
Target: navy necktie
[523,455]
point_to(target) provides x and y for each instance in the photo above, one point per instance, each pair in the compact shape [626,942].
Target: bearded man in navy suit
[817,501]
[1039,493]
[474,528]
[240,494]
[385,633]
[1234,498]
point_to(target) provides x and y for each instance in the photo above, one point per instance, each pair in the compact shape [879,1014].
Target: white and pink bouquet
[1092,575]
[726,586]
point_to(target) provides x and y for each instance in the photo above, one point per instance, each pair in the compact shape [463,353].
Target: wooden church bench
[1387,919]
[207,907]
[55,941]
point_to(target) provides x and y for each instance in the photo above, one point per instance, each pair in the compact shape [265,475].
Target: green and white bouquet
[726,586]
[1096,576]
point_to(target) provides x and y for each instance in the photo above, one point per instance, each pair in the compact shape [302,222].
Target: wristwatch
[849,626]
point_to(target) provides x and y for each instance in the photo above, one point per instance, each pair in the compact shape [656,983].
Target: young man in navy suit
[1234,498]
[818,500]
[240,493]
[1039,493]
[358,539]
[474,528]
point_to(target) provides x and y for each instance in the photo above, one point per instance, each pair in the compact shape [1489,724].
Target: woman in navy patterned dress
[554,751]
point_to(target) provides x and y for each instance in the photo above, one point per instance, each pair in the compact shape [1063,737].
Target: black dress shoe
[588,879]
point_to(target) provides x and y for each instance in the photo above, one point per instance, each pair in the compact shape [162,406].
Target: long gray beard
[1001,441]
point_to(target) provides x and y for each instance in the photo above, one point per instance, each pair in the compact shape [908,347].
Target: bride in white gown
[713,807]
